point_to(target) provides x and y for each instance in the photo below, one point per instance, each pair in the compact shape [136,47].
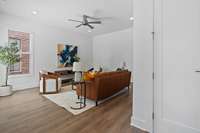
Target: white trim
[31,54]
[34,84]
[181,125]
[158,63]
[140,124]
[31,59]
[20,75]
[132,121]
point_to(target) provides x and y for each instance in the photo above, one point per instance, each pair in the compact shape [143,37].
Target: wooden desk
[66,74]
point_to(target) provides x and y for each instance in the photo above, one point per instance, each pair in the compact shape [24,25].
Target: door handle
[198,71]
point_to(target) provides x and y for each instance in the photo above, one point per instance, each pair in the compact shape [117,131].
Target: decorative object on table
[50,83]
[67,55]
[9,55]
[78,68]
[100,69]
[118,69]
[124,66]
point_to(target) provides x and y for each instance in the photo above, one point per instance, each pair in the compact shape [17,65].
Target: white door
[177,90]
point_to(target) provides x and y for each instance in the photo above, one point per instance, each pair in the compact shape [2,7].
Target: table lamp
[78,69]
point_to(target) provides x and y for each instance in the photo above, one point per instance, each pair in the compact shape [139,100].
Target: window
[23,41]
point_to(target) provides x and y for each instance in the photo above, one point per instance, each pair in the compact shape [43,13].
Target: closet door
[177,93]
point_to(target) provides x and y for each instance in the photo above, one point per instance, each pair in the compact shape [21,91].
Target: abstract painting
[66,54]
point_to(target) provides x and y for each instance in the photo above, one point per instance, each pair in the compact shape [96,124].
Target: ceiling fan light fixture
[131,18]
[34,12]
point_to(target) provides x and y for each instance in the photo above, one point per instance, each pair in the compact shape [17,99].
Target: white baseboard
[24,86]
[140,124]
[132,121]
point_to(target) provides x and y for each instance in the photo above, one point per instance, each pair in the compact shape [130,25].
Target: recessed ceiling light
[131,18]
[89,31]
[34,12]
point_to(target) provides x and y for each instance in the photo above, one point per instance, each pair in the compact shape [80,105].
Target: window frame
[31,58]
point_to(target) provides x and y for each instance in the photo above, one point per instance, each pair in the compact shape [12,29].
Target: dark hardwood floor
[28,112]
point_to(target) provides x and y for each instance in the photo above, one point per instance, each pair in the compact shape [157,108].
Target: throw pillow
[89,75]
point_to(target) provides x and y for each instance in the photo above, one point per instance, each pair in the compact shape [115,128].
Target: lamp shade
[78,67]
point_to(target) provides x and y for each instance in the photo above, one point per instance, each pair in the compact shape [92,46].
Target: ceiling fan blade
[95,22]
[92,17]
[90,26]
[74,20]
[79,25]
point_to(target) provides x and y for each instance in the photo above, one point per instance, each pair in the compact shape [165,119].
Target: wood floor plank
[29,112]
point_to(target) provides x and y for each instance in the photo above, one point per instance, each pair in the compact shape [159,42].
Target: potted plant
[76,58]
[9,55]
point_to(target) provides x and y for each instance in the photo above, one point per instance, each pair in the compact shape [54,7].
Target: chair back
[43,72]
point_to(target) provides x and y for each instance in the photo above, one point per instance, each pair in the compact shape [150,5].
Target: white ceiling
[115,14]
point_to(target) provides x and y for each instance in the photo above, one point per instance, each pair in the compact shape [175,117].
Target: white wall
[112,49]
[143,64]
[44,41]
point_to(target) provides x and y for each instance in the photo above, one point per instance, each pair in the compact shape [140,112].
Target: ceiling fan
[85,21]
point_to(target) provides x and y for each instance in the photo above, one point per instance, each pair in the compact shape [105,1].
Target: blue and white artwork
[67,55]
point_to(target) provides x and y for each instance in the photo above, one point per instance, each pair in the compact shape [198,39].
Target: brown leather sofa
[106,84]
